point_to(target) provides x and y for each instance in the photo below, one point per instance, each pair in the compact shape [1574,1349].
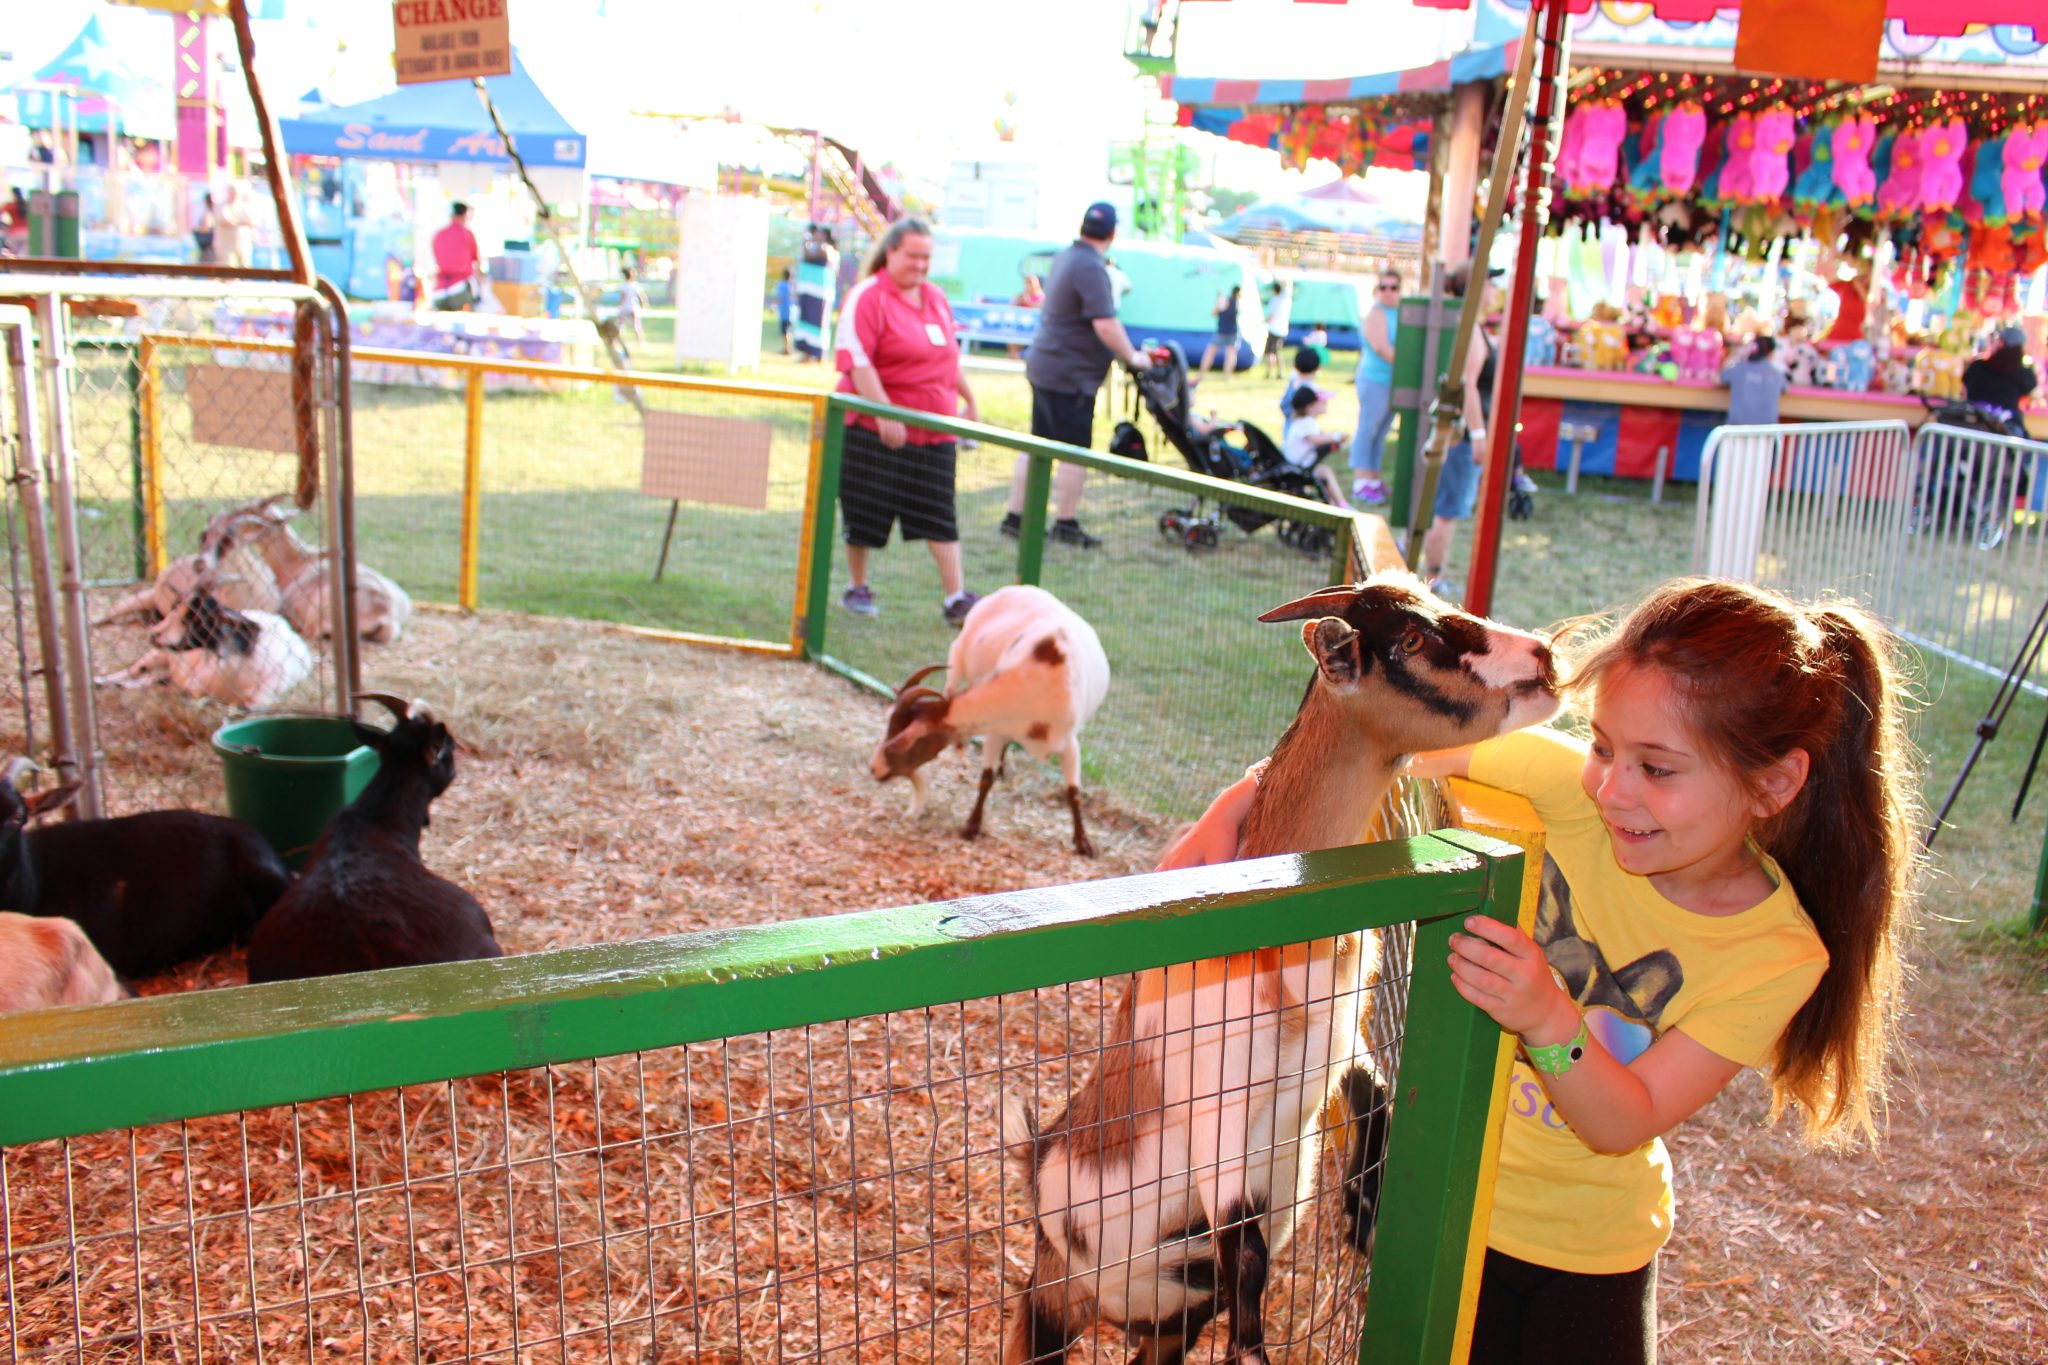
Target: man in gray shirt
[1077,340]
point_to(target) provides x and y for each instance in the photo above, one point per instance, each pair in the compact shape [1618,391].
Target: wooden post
[472,485]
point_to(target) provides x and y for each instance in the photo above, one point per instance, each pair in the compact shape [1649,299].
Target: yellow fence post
[472,485]
[152,458]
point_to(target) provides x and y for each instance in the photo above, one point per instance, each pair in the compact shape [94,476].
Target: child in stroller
[1236,451]
[1307,443]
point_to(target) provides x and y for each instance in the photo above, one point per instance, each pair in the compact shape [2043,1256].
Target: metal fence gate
[119,465]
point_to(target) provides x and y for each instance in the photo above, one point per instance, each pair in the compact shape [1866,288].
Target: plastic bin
[286,774]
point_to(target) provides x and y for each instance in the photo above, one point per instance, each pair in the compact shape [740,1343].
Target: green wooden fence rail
[70,1072]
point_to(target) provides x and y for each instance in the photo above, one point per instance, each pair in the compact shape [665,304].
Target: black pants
[1064,417]
[1533,1315]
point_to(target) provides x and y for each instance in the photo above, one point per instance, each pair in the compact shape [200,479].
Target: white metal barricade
[1807,507]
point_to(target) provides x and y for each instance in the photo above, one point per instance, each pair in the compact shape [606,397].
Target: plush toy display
[1772,167]
[1899,195]
[1738,161]
[2026,148]
[1815,185]
[1941,165]
[1855,141]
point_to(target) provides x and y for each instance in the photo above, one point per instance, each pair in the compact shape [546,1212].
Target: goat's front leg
[991,759]
[1070,769]
[1226,1024]
[149,670]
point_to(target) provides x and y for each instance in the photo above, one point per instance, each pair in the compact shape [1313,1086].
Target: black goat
[366,901]
[150,890]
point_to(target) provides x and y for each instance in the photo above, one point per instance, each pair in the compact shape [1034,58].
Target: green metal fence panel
[79,1087]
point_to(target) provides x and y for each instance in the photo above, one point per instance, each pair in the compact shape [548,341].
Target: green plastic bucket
[286,774]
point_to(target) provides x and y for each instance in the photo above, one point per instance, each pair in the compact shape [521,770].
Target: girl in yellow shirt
[1727,884]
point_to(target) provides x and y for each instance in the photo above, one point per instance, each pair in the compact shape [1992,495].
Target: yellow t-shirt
[1637,965]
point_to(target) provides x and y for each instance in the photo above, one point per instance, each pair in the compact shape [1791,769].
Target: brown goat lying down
[1178,1171]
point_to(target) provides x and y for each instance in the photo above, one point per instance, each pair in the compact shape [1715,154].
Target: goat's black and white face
[201,622]
[419,739]
[1419,672]
[18,810]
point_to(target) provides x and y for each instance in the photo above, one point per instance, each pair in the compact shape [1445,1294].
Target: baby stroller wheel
[1307,537]
[1172,523]
[1521,506]
[1201,536]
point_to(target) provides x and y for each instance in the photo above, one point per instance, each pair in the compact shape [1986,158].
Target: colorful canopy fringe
[1930,18]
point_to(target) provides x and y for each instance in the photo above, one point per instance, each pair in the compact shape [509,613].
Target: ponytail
[1759,677]
[1846,843]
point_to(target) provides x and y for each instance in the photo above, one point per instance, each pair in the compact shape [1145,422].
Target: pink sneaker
[1369,490]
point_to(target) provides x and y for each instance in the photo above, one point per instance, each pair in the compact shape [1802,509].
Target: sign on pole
[447,40]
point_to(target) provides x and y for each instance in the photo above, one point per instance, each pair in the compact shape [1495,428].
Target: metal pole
[330,390]
[71,588]
[1507,389]
[28,479]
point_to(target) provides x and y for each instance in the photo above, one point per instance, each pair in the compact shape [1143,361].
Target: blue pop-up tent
[95,65]
[442,121]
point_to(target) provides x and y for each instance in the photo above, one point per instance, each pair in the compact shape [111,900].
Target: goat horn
[918,677]
[18,770]
[918,694]
[1330,601]
[396,705]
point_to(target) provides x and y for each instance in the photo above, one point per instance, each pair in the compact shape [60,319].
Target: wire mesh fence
[834,1187]
[1197,683]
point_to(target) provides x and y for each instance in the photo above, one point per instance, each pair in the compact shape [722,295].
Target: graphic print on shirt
[1621,1003]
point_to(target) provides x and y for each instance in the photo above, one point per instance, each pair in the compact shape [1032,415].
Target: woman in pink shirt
[455,260]
[896,344]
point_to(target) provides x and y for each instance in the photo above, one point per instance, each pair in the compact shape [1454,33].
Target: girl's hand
[1501,970]
[892,432]
[1213,838]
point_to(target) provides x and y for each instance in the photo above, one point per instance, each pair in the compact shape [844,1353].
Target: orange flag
[1822,40]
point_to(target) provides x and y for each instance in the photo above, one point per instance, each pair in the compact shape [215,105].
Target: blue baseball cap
[1099,221]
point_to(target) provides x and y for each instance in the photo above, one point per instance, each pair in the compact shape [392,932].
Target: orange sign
[1820,40]
[448,40]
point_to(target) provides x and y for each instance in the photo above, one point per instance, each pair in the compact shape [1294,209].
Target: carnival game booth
[1914,204]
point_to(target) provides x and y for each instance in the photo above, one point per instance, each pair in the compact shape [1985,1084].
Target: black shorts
[1273,340]
[1533,1315]
[1065,417]
[879,487]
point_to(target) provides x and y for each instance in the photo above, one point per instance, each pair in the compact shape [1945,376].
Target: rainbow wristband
[1557,1059]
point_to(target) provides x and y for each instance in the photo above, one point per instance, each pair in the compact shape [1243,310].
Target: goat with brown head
[916,735]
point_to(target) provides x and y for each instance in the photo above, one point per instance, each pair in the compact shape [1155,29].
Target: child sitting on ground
[1306,442]
[1306,363]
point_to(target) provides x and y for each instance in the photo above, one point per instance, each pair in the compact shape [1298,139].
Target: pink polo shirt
[455,255]
[912,349]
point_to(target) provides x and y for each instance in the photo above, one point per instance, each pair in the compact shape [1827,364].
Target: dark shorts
[1533,1315]
[880,487]
[1273,343]
[1065,417]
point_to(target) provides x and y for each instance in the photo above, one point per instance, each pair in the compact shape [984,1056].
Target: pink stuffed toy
[1599,158]
[1941,165]
[1570,147]
[1854,140]
[1771,169]
[1679,139]
[2026,147]
[1738,167]
[1900,193]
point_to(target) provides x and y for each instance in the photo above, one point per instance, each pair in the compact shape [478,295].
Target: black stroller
[1236,451]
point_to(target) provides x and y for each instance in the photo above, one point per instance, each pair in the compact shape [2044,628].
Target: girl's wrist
[1561,1023]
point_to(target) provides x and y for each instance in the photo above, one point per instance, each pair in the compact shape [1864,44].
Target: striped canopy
[1930,18]
[1479,64]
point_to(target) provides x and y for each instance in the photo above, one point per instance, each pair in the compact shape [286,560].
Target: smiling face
[1672,813]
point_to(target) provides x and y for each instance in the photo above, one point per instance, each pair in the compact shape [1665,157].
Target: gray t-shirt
[1754,388]
[1066,356]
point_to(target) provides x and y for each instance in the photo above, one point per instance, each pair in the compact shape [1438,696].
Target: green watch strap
[1557,1059]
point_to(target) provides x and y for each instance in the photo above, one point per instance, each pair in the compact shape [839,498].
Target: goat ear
[1334,647]
[18,771]
[55,799]
[1330,601]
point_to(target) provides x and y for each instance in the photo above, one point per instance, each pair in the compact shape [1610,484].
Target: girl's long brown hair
[1759,676]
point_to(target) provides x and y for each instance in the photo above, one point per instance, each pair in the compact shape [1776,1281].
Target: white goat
[241,580]
[45,961]
[1179,1169]
[382,607]
[1024,668]
[245,659]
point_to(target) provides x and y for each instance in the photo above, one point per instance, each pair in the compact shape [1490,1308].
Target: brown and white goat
[382,607]
[205,649]
[1026,668]
[45,962]
[237,575]
[1178,1171]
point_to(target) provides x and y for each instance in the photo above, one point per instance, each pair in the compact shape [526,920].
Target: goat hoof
[971,832]
[1084,848]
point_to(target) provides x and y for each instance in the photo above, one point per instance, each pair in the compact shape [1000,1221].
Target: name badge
[936,333]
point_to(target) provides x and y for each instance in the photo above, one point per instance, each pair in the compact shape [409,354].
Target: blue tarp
[442,121]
